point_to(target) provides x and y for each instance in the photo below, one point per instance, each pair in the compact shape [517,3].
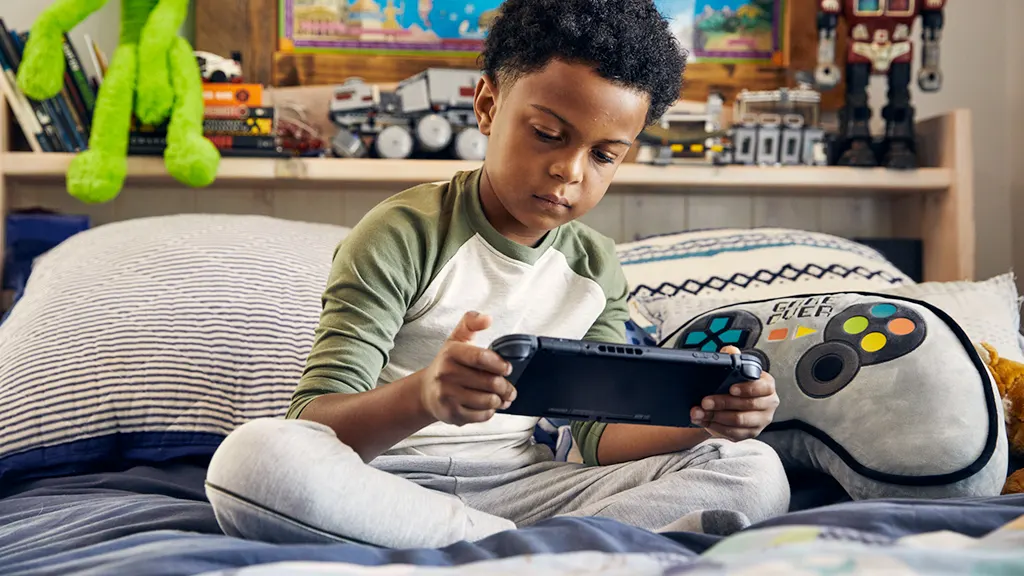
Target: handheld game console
[606,382]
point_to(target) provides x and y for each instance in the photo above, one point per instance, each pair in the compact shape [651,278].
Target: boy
[392,437]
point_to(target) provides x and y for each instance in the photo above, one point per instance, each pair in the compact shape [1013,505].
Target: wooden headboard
[934,203]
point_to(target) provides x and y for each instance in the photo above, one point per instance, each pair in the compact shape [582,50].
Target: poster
[409,27]
[727,30]
[711,30]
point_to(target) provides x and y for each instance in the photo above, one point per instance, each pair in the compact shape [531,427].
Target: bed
[136,346]
[155,520]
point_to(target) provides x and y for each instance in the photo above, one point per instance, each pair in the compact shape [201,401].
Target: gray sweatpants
[288,481]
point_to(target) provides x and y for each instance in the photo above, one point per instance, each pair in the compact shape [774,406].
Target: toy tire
[394,142]
[471,144]
[434,133]
[347,145]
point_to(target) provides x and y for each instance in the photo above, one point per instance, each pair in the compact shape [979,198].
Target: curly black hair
[626,41]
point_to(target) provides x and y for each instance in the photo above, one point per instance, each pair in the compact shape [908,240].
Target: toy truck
[439,104]
[777,127]
[688,133]
[431,112]
[363,111]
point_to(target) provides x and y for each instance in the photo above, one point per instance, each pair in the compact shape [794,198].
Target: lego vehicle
[777,127]
[430,113]
[219,70]
[688,133]
[439,105]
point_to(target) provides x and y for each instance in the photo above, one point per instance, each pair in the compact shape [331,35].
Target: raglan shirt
[415,264]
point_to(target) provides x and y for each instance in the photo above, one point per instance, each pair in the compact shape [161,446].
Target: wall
[1015,97]
[976,55]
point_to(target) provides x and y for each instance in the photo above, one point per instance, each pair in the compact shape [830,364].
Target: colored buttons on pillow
[855,325]
[901,326]
[883,310]
[873,342]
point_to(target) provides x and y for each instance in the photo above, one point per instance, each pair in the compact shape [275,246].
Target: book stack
[234,119]
[60,124]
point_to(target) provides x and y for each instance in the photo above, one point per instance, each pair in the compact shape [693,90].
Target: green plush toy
[153,73]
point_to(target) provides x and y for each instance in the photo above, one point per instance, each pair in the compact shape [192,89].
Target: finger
[698,417]
[479,401]
[737,403]
[730,350]
[479,380]
[479,358]
[735,434]
[467,416]
[471,323]
[764,386]
[737,419]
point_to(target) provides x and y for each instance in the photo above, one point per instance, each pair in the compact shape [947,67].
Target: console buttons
[731,337]
[873,342]
[855,325]
[694,338]
[901,326]
[883,310]
[750,372]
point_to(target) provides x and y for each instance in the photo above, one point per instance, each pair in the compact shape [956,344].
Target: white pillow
[667,271]
[150,339]
[988,311]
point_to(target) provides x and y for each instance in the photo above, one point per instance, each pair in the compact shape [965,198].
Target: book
[62,123]
[35,119]
[72,134]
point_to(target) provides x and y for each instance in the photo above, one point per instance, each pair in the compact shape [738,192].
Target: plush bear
[153,74]
[1009,376]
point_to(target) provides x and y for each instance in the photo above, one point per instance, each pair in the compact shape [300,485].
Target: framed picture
[386,27]
[729,31]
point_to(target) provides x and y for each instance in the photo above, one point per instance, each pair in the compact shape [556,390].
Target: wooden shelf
[377,173]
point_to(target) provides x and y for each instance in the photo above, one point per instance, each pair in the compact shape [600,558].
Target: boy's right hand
[466,383]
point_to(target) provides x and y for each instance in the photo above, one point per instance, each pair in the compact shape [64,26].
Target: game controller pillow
[885,394]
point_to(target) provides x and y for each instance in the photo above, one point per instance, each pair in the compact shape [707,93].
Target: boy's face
[555,140]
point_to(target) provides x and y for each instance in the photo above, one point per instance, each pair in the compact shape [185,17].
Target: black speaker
[907,254]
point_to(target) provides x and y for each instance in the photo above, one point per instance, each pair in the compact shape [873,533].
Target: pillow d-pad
[886,394]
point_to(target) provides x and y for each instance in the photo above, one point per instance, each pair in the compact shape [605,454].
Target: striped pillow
[151,339]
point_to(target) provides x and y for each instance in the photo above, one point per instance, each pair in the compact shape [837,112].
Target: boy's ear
[485,103]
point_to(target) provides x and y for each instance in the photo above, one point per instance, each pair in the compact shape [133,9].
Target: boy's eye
[602,157]
[545,136]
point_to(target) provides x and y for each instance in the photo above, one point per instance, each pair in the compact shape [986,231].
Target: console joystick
[861,335]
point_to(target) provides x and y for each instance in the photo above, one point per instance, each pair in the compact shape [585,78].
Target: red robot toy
[879,44]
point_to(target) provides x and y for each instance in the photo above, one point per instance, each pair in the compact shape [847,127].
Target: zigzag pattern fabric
[787,273]
[733,265]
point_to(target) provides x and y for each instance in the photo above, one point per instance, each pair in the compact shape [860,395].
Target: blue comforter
[157,521]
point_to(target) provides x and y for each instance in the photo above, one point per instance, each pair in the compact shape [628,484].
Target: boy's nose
[569,169]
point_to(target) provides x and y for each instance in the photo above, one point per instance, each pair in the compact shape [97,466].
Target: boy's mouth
[552,200]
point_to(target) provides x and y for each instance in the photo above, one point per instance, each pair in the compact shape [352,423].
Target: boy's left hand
[743,413]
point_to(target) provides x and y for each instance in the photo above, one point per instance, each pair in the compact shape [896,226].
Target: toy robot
[880,43]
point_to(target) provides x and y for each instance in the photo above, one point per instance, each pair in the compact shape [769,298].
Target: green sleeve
[609,327]
[373,281]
